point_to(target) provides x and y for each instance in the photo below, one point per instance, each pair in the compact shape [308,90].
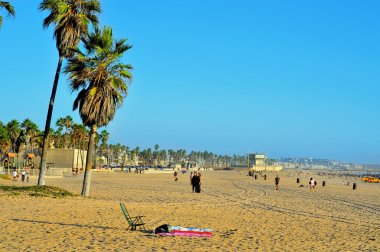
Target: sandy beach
[245,214]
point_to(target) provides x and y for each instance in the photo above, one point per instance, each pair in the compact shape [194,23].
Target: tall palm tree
[8,8]
[14,131]
[31,131]
[5,142]
[71,19]
[59,135]
[104,136]
[78,139]
[101,79]
[67,123]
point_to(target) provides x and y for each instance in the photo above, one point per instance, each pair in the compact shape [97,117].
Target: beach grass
[37,191]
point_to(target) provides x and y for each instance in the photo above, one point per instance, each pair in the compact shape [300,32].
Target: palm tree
[14,131]
[67,123]
[5,142]
[71,19]
[156,154]
[101,79]
[8,8]
[78,139]
[31,132]
[104,135]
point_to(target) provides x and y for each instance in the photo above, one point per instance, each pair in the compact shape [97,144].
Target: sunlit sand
[244,213]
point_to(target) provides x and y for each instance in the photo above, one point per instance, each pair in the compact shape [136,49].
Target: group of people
[24,175]
[312,183]
[195,181]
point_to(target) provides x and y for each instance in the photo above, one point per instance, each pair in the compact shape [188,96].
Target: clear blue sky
[288,78]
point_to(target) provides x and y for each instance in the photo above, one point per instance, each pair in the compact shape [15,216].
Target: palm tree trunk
[41,177]
[90,155]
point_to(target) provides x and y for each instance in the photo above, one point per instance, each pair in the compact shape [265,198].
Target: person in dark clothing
[195,181]
[276,182]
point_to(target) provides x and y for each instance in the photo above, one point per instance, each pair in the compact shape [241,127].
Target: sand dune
[245,214]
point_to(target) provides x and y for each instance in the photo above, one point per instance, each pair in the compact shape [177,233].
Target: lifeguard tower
[258,162]
[257,159]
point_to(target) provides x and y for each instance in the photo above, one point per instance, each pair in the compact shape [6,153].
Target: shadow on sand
[146,232]
[65,224]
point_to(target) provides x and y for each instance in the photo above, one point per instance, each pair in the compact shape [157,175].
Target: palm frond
[71,19]
[8,7]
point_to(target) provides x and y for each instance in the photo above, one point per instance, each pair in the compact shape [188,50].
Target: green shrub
[37,191]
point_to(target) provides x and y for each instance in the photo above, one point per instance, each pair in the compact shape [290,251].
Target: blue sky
[287,78]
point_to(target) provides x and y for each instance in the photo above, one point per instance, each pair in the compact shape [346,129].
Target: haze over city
[289,79]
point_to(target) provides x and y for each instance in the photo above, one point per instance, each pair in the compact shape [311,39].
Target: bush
[37,191]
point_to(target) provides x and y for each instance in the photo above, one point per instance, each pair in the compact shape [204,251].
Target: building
[259,162]
[257,159]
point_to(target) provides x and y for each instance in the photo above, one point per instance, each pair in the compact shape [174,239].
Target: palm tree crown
[9,9]
[101,79]
[100,75]
[71,19]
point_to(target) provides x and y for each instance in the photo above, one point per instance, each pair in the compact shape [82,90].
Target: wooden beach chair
[132,221]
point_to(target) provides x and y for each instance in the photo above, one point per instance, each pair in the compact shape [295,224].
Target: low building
[259,162]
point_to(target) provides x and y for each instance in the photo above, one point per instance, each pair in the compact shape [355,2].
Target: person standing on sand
[14,175]
[175,175]
[312,183]
[196,182]
[23,173]
[276,182]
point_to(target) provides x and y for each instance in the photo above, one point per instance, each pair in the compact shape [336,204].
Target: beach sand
[245,214]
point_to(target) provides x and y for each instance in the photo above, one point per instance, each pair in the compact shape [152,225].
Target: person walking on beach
[195,181]
[276,182]
[312,184]
[14,175]
[175,175]
[27,177]
[23,173]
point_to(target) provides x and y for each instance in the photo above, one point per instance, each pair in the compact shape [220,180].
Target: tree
[101,79]
[14,131]
[156,154]
[71,19]
[31,132]
[104,136]
[78,138]
[67,123]
[5,142]
[8,8]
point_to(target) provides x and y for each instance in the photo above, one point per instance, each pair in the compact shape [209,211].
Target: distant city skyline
[288,79]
